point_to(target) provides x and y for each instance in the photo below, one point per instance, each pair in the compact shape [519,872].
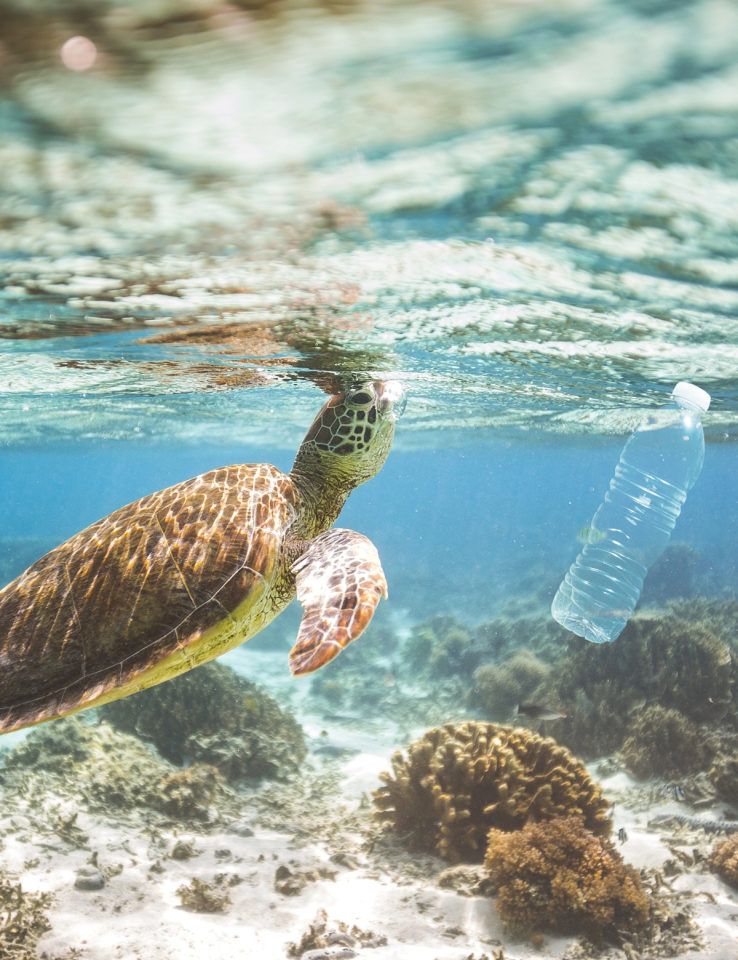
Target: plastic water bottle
[658,465]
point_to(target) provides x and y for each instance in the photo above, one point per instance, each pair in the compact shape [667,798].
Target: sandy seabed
[393,913]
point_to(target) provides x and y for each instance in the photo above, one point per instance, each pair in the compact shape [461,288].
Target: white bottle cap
[696,395]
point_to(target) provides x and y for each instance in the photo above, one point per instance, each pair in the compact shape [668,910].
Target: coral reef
[678,659]
[54,746]
[724,775]
[443,647]
[459,781]
[723,860]
[503,637]
[114,770]
[663,743]
[202,897]
[187,794]
[558,875]
[212,716]
[498,689]
[22,920]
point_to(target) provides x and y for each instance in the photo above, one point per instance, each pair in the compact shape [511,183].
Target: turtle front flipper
[339,582]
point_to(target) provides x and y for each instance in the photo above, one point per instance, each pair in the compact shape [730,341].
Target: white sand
[138,916]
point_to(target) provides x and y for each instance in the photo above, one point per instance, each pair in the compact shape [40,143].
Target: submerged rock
[212,716]
[241,828]
[183,850]
[330,953]
[89,878]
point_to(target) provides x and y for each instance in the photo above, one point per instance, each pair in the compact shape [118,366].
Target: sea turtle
[179,577]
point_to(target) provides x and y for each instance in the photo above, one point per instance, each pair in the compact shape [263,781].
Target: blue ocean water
[459,529]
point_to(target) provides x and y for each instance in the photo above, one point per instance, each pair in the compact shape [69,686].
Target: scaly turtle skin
[179,577]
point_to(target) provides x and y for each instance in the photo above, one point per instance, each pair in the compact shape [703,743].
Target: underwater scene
[324,325]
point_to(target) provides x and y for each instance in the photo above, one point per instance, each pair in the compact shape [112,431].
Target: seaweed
[558,875]
[212,716]
[460,780]
[663,743]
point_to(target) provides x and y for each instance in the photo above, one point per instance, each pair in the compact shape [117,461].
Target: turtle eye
[362,398]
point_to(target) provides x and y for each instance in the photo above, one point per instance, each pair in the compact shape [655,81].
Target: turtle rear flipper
[339,582]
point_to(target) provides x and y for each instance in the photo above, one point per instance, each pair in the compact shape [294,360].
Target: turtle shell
[157,587]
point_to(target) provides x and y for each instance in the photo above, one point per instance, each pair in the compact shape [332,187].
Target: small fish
[334,752]
[251,704]
[622,835]
[675,791]
[389,680]
[538,712]
[590,535]
[638,705]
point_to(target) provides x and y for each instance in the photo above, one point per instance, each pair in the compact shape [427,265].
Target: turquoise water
[527,213]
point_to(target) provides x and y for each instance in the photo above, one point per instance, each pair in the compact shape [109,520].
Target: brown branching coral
[498,689]
[213,716]
[460,780]
[723,860]
[558,875]
[663,743]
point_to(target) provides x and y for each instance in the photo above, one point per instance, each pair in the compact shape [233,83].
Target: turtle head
[352,435]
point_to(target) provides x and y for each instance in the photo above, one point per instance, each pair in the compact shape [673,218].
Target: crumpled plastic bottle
[659,464]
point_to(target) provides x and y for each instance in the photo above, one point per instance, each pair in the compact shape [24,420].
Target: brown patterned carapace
[180,576]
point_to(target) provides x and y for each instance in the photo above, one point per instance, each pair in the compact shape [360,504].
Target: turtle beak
[391,399]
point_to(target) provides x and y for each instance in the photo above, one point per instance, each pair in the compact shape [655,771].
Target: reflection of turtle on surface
[179,577]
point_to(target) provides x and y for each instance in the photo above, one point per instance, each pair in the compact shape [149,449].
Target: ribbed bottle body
[631,528]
